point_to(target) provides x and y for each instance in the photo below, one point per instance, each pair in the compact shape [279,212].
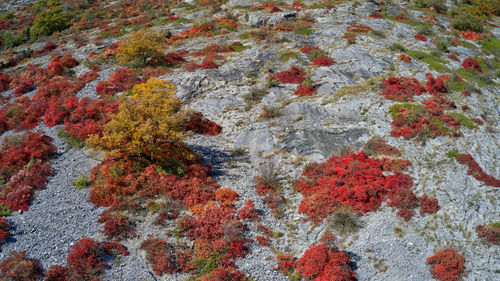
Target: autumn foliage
[447,265]
[489,233]
[18,267]
[202,125]
[354,181]
[321,262]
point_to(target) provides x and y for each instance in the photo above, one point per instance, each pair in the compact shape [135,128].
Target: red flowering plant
[402,88]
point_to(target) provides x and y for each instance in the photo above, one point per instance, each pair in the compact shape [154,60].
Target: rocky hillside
[250,140]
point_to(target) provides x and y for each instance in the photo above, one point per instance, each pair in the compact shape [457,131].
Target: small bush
[490,233]
[438,5]
[140,46]
[81,182]
[48,22]
[4,230]
[324,263]
[467,22]
[17,267]
[447,264]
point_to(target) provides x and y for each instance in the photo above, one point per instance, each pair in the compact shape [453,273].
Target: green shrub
[442,46]
[438,5]
[10,40]
[49,22]
[81,182]
[396,47]
[465,21]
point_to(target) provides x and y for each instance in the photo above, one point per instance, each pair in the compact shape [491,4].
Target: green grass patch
[286,56]
[473,76]
[491,45]
[456,86]
[434,62]
[394,111]
[4,210]
[240,48]
[304,31]
[452,153]
[464,120]
[244,36]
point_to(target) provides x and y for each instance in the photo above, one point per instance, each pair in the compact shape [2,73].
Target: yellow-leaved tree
[140,46]
[148,124]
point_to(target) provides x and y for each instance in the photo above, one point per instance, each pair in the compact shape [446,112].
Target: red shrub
[352,180]
[325,263]
[359,28]
[114,248]
[116,226]
[447,265]
[19,268]
[208,64]
[248,211]
[87,116]
[173,58]
[378,146]
[286,264]
[17,150]
[402,88]
[121,80]
[191,66]
[453,57]
[294,75]
[262,240]
[405,58]
[55,66]
[85,260]
[4,230]
[226,274]
[24,86]
[226,196]
[476,171]
[305,91]
[159,256]
[69,61]
[429,206]
[435,86]
[57,273]
[472,64]
[309,49]
[323,61]
[486,232]
[20,186]
[88,77]
[4,81]
[420,37]
[209,225]
[201,125]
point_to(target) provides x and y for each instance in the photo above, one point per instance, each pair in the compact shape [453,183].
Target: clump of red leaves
[305,90]
[201,125]
[248,211]
[476,171]
[354,181]
[23,168]
[378,146]
[420,37]
[359,28]
[4,81]
[323,61]
[489,233]
[57,273]
[86,259]
[321,262]
[225,274]
[402,88]
[428,205]
[294,75]
[447,264]
[472,64]
[4,230]
[286,264]
[116,226]
[18,267]
[159,256]
[121,80]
